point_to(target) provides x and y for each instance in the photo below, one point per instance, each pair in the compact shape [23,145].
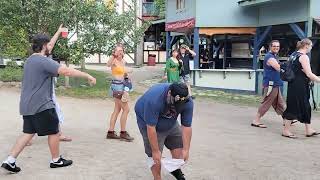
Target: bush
[11,73]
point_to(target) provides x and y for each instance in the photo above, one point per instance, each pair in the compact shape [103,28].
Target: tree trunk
[66,78]
[83,64]
[138,56]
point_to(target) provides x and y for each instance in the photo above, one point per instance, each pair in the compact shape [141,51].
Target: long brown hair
[174,50]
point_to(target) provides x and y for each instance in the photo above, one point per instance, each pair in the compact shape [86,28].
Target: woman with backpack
[298,105]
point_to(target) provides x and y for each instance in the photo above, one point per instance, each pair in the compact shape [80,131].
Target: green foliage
[97,24]
[13,42]
[11,73]
[13,65]
[161,6]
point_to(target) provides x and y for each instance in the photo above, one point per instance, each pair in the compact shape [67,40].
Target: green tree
[97,24]
[161,6]
[13,42]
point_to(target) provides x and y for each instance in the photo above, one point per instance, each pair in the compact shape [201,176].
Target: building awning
[159,21]
[227,30]
[181,26]
[254,2]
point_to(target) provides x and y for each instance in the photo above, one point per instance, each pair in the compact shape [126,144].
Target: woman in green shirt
[172,69]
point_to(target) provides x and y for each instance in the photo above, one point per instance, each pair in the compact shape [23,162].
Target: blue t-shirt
[151,106]
[270,74]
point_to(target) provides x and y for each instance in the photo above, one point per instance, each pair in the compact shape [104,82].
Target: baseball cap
[180,93]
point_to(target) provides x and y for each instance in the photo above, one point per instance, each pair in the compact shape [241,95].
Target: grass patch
[228,98]
[217,96]
[80,88]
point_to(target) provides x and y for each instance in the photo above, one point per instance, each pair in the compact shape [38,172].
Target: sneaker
[178,174]
[125,136]
[112,135]
[60,163]
[11,167]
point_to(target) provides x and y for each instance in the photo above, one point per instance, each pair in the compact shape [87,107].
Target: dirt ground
[224,145]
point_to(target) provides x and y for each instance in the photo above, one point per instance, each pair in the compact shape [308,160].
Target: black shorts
[43,123]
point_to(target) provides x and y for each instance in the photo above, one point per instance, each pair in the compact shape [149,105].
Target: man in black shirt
[186,54]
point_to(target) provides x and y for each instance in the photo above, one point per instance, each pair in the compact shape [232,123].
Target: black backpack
[286,68]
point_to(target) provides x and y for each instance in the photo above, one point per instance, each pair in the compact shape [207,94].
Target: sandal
[312,134]
[290,136]
[258,125]
[65,139]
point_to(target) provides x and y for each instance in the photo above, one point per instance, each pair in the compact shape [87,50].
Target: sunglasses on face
[179,99]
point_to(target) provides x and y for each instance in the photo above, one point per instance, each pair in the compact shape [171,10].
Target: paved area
[224,146]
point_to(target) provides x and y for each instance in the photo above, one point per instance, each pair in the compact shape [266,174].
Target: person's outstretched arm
[66,71]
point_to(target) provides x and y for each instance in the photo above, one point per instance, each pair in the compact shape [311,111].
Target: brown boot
[124,136]
[112,135]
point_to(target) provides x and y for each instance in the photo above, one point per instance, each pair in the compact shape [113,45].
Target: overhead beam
[299,32]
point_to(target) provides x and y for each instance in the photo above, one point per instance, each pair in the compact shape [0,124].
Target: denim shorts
[116,85]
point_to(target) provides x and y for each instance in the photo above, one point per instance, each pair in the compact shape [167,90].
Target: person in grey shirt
[36,104]
[57,107]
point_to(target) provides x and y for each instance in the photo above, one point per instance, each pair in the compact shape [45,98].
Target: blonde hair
[118,45]
[303,43]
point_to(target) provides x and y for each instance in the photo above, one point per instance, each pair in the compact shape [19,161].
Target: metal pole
[255,58]
[168,44]
[225,51]
[196,38]
[255,50]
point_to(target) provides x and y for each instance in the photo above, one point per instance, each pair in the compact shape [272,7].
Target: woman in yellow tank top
[119,71]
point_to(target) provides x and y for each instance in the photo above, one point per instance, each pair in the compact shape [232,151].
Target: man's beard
[47,52]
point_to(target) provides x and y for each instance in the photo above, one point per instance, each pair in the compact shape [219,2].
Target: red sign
[181,25]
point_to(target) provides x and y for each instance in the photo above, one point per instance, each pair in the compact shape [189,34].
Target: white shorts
[58,108]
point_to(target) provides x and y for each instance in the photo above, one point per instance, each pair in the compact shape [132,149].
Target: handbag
[117,94]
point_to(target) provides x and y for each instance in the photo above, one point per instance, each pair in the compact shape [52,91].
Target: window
[181,4]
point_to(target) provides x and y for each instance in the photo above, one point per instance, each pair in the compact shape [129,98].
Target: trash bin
[152,60]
